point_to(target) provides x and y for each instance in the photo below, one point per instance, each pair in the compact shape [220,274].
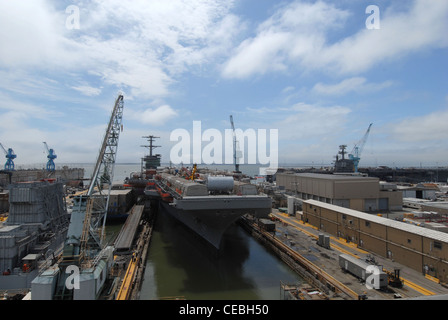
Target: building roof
[332,176]
[425,232]
[420,186]
[437,204]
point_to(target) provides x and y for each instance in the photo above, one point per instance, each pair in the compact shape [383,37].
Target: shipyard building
[419,248]
[356,192]
[36,227]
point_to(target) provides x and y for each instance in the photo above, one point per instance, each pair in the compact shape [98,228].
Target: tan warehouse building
[354,192]
[419,248]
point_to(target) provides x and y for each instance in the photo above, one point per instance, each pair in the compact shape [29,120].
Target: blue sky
[310,69]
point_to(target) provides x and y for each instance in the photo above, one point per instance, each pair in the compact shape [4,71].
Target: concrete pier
[296,243]
[65,174]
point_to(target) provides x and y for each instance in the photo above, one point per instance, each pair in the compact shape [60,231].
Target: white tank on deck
[220,184]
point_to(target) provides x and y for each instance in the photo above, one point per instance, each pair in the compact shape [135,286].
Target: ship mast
[152,161]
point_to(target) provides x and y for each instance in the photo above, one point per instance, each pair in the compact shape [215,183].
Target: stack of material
[125,239]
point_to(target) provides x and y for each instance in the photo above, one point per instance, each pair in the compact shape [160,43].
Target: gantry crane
[10,155]
[51,156]
[236,151]
[355,155]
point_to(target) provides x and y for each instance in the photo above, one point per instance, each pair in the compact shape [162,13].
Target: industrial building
[120,202]
[356,192]
[419,248]
[420,191]
[4,201]
[36,226]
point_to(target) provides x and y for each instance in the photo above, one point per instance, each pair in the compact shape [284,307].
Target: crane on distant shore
[355,155]
[51,156]
[236,151]
[10,155]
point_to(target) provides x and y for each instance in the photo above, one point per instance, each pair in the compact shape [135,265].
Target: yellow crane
[193,172]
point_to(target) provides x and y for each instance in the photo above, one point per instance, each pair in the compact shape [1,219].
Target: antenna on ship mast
[152,161]
[151,146]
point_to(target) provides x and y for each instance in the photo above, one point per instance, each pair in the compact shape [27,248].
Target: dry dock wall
[419,248]
[65,174]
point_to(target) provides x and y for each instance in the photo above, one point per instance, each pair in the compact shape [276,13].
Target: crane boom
[106,159]
[97,201]
[235,147]
[4,150]
[83,249]
[355,155]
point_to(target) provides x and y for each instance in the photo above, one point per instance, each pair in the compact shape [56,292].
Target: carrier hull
[210,216]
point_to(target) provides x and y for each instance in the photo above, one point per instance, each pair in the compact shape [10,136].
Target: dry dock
[69,175]
[297,244]
[125,239]
[131,248]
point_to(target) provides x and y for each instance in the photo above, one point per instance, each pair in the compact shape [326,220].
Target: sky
[318,72]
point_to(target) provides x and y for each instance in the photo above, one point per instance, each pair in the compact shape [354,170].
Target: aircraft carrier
[209,206]
[205,202]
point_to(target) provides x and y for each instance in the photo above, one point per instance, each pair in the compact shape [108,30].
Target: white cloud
[154,41]
[288,89]
[157,116]
[137,46]
[293,32]
[422,27]
[22,110]
[297,37]
[87,90]
[430,127]
[258,56]
[355,84]
[31,34]
[53,80]
[304,121]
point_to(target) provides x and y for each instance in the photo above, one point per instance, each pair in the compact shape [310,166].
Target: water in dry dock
[178,265]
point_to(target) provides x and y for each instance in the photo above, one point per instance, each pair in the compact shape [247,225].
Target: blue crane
[51,156]
[10,155]
[355,155]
